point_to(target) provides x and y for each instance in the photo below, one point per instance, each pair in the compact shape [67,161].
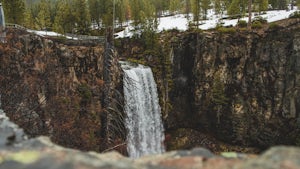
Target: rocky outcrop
[241,86]
[10,133]
[40,153]
[49,88]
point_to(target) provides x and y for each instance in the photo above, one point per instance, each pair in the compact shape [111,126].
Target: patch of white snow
[180,21]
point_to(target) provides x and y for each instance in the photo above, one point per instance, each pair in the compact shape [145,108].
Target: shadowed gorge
[215,89]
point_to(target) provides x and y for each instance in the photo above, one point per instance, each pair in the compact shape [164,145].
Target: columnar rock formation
[242,86]
[53,89]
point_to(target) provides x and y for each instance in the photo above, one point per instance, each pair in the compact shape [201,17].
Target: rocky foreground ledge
[18,152]
[40,153]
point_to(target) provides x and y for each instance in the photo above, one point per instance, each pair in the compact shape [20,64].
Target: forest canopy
[93,16]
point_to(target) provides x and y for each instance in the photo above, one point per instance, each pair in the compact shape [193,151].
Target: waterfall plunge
[144,124]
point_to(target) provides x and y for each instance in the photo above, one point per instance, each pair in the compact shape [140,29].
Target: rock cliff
[49,88]
[241,86]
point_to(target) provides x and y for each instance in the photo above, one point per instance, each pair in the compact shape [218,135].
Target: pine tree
[149,35]
[43,17]
[29,19]
[148,24]
[120,11]
[274,4]
[53,10]
[278,4]
[262,5]
[217,6]
[174,6]
[127,9]
[81,15]
[234,8]
[158,7]
[136,14]
[282,4]
[196,10]
[14,11]
[149,9]
[205,6]
[187,8]
[161,6]
[94,8]
[249,24]
[64,22]
[106,12]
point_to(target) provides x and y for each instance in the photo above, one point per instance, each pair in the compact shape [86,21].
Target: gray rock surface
[10,133]
[55,157]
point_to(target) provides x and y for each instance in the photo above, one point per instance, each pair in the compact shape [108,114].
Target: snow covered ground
[180,21]
[49,33]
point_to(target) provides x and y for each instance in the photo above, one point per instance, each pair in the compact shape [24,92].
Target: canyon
[238,87]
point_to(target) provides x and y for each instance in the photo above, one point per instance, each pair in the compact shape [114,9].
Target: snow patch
[180,21]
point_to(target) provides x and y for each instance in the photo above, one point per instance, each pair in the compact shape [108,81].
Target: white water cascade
[145,129]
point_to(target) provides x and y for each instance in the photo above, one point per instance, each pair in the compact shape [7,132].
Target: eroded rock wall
[53,89]
[242,86]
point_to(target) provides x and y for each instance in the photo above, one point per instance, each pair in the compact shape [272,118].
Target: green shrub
[60,39]
[256,25]
[229,30]
[260,19]
[242,24]
[295,15]
[243,29]
[137,61]
[85,92]
[274,26]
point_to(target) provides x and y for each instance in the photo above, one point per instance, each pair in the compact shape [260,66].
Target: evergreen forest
[93,16]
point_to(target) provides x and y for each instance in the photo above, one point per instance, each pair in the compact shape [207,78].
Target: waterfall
[145,130]
[2,25]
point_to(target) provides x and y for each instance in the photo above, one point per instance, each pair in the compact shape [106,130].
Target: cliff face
[244,87]
[53,89]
